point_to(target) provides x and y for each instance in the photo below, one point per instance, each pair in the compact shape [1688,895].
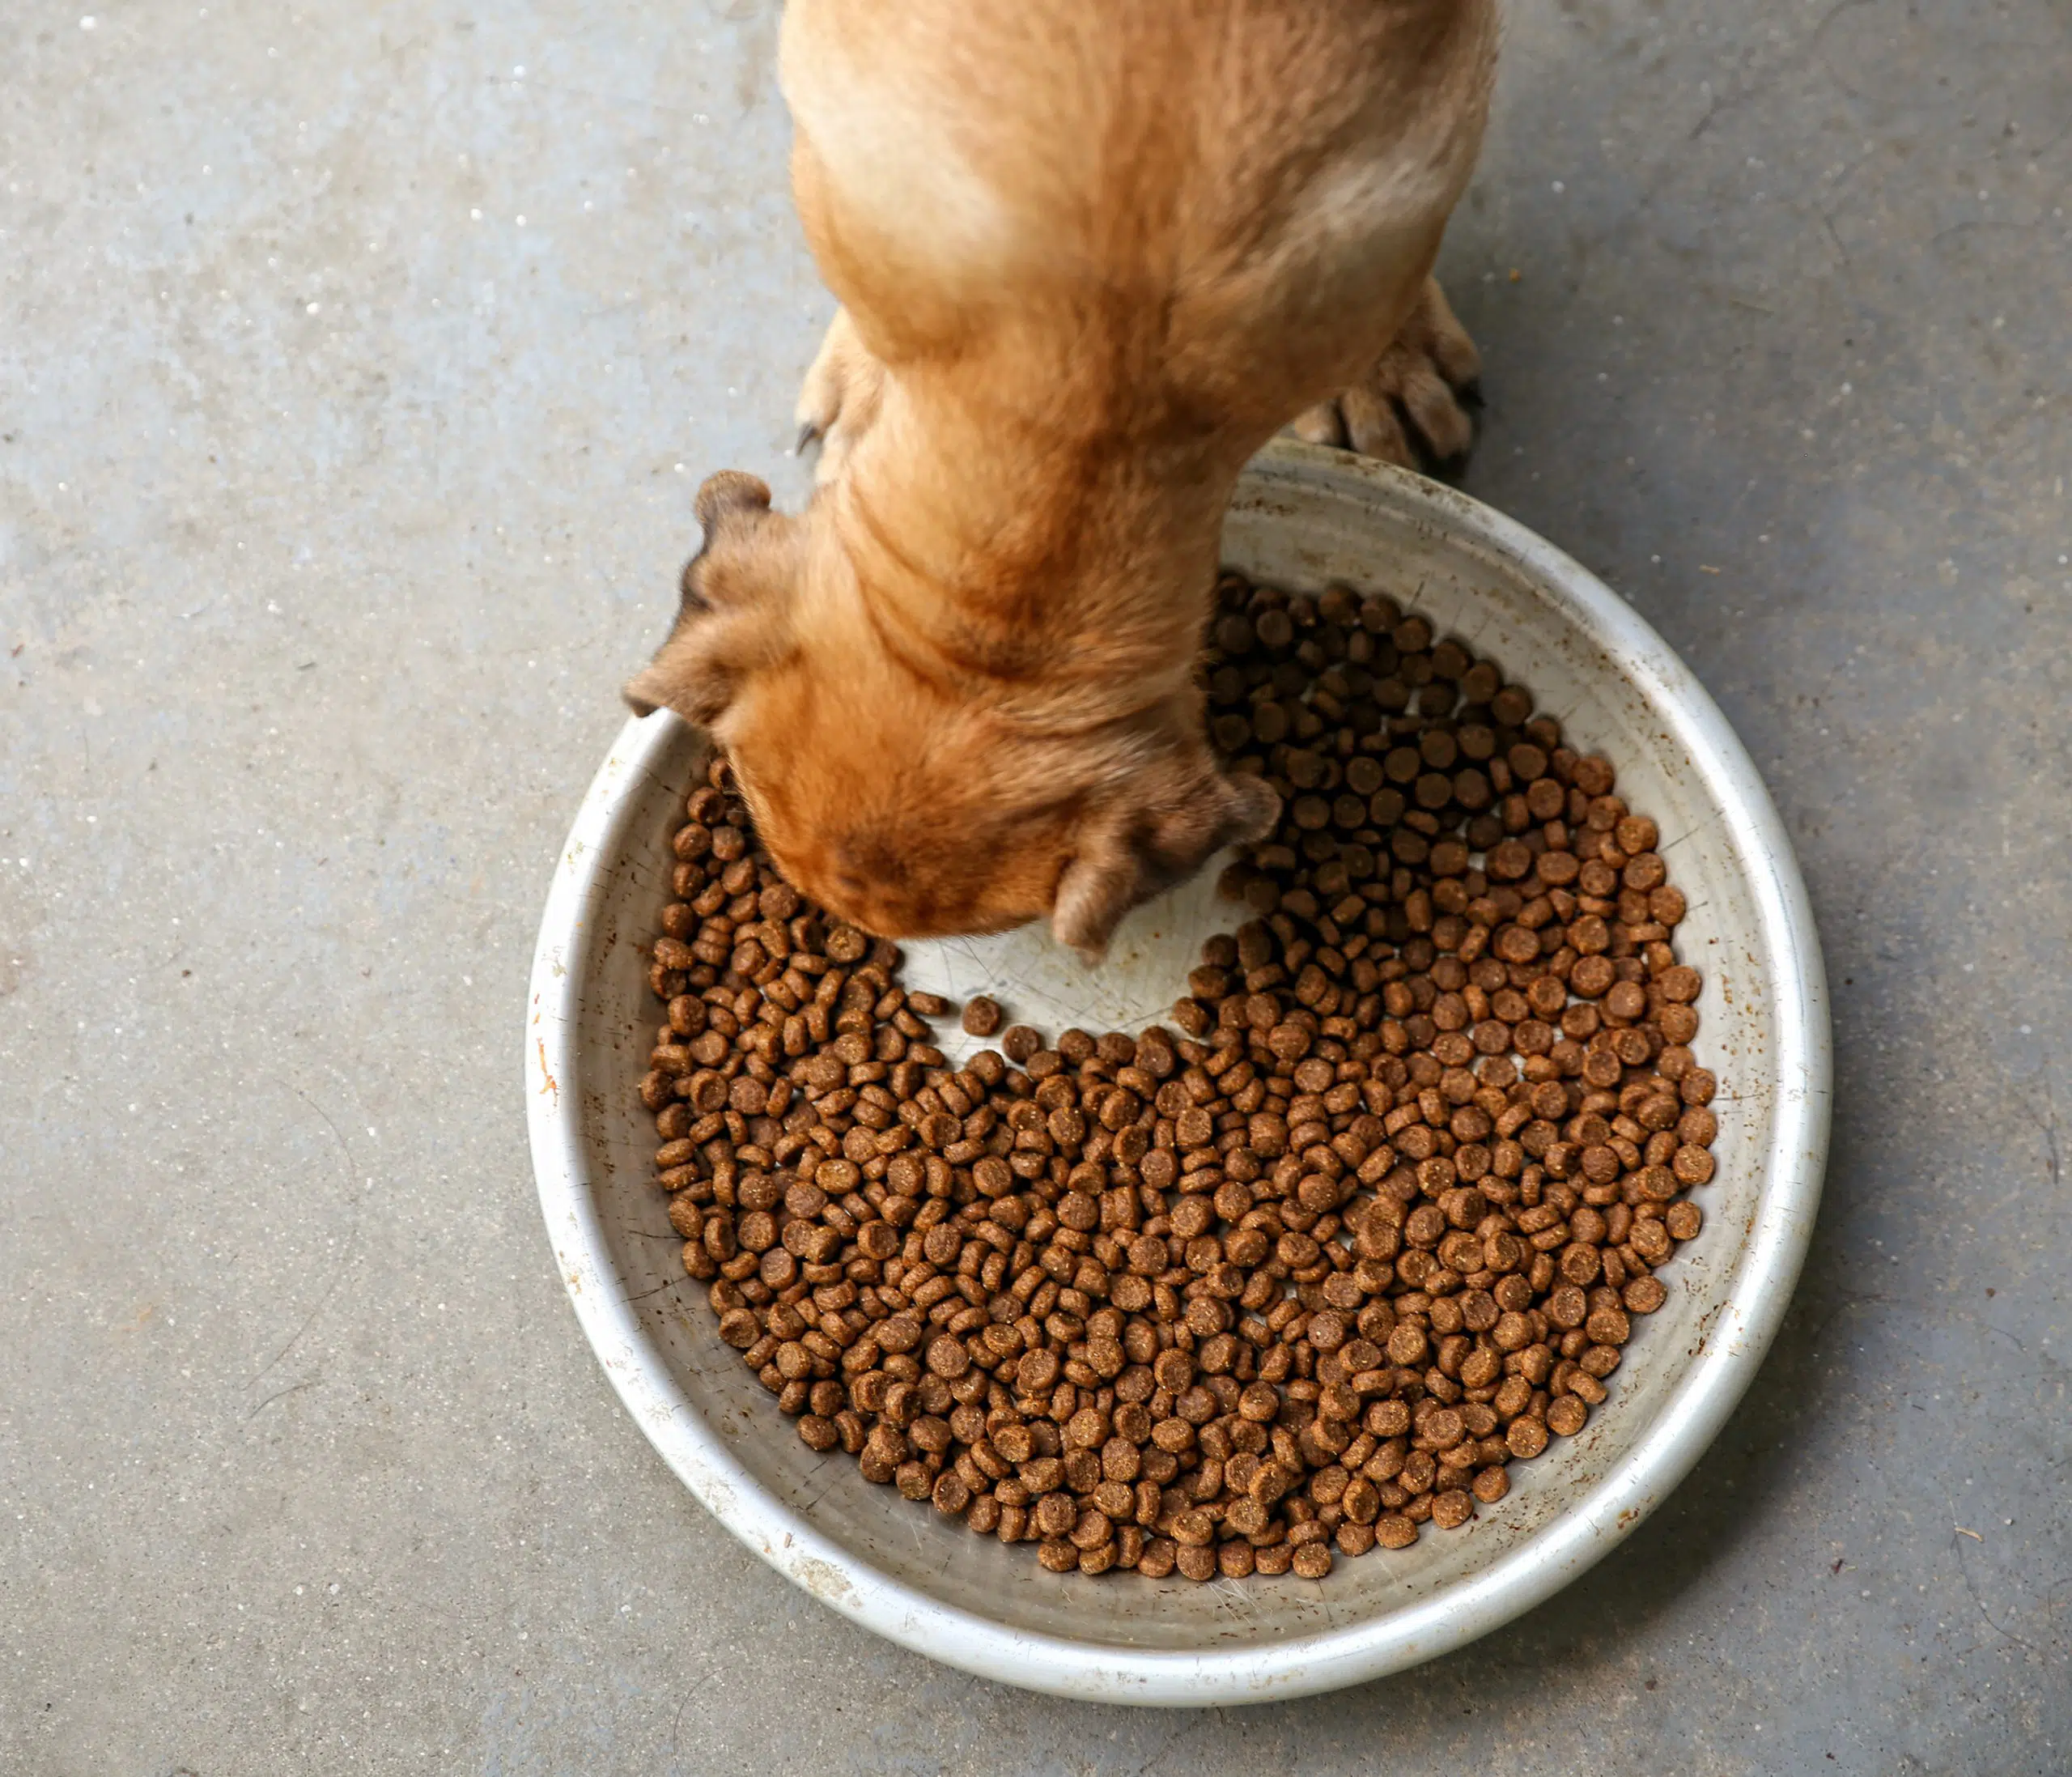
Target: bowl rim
[1691,1415]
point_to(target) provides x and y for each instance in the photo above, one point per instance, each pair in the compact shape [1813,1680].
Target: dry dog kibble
[1020,1044]
[1381,1218]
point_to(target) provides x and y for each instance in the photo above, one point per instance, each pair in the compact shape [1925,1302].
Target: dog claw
[809,435]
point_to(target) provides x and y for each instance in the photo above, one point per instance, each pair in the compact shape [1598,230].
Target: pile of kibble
[1311,1272]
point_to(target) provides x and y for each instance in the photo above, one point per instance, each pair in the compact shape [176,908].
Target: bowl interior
[1299,523]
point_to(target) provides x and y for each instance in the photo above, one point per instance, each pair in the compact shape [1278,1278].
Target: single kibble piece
[1383,1218]
[1020,1043]
[1312,1561]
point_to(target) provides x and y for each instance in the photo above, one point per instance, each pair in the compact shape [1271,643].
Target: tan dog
[1091,254]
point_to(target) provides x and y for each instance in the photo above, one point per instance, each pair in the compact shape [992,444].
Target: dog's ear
[735,615]
[1143,846]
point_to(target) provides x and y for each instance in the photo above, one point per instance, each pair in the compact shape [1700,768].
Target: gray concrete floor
[355,367]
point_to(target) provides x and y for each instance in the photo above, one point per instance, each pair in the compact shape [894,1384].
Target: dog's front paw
[839,398]
[1416,406]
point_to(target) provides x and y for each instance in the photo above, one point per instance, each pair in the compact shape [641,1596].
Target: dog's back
[1186,214]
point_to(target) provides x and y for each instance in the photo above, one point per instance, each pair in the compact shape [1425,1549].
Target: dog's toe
[1416,407]
[1321,424]
[1373,426]
[1441,420]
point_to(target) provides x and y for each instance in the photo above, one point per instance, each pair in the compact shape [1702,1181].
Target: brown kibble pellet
[1608,1326]
[1692,1165]
[1057,1556]
[948,1358]
[1397,1174]
[1679,985]
[1678,1024]
[1452,1509]
[1354,1539]
[1020,1043]
[1094,1528]
[1312,1561]
[1644,1295]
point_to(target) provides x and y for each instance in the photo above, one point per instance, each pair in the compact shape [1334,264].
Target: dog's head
[897,802]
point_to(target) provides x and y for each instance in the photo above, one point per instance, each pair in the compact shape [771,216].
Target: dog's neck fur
[1016,547]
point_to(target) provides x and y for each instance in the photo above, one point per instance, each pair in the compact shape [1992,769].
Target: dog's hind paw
[1416,406]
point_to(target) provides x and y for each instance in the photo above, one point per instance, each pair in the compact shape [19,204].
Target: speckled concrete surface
[355,366]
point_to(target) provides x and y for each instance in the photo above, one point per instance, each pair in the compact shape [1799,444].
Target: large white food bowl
[1302,517]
